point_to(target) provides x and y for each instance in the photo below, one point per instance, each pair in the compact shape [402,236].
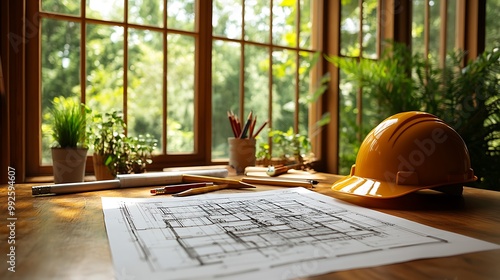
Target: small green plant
[68,119]
[141,151]
[121,154]
[289,148]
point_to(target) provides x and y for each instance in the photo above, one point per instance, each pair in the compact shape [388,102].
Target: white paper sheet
[282,234]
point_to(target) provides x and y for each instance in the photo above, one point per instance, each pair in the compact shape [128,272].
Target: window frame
[202,88]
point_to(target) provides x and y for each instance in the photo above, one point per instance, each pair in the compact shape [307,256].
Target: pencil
[252,127]
[276,171]
[247,125]
[179,188]
[237,124]
[279,182]
[201,190]
[260,128]
[231,182]
[233,124]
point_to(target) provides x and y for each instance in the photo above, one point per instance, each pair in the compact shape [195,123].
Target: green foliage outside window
[464,97]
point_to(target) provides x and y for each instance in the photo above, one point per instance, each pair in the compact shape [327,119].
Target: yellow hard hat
[407,152]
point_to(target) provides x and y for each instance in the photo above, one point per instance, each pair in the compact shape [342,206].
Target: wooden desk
[64,237]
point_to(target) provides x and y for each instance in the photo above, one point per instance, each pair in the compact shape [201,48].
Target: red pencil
[233,124]
[252,127]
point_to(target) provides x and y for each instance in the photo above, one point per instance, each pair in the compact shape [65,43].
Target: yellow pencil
[231,182]
[201,190]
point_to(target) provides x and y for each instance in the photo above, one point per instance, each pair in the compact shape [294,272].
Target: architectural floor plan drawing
[280,234]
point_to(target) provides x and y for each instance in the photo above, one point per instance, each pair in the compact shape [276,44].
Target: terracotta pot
[101,171]
[69,164]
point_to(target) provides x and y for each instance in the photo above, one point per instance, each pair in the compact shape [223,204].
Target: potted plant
[68,119]
[289,147]
[141,151]
[114,152]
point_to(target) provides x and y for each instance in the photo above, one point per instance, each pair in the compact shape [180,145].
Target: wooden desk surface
[64,237]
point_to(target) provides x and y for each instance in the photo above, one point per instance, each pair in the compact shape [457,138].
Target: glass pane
[370,28]
[312,85]
[306,23]
[105,9]
[285,23]
[284,67]
[349,30]
[146,12]
[225,93]
[348,128]
[417,32]
[60,75]
[104,88]
[61,7]
[450,26]
[435,32]
[180,93]
[145,84]
[226,18]
[257,20]
[181,14]
[257,85]
[306,88]
[492,25]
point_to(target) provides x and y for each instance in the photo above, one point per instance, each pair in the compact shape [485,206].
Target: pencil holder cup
[241,153]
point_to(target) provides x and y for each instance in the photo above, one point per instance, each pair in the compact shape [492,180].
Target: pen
[280,182]
[179,188]
[231,182]
[201,190]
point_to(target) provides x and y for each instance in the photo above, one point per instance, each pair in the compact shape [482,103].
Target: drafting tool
[179,188]
[200,178]
[202,190]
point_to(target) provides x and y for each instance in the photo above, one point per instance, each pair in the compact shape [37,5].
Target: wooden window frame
[33,147]
[16,21]
[204,39]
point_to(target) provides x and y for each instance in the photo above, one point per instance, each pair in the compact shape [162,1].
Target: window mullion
[443,10]
[270,76]
[125,63]
[242,64]
[297,66]
[83,52]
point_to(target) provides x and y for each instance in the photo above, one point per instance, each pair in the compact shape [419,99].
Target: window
[440,74]
[492,25]
[359,39]
[262,52]
[433,35]
[148,59]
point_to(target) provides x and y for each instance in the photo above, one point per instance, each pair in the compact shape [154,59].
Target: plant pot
[101,171]
[68,164]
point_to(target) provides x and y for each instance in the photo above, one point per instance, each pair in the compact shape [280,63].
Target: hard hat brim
[366,187]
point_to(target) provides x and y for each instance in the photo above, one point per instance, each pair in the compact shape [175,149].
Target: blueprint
[282,234]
